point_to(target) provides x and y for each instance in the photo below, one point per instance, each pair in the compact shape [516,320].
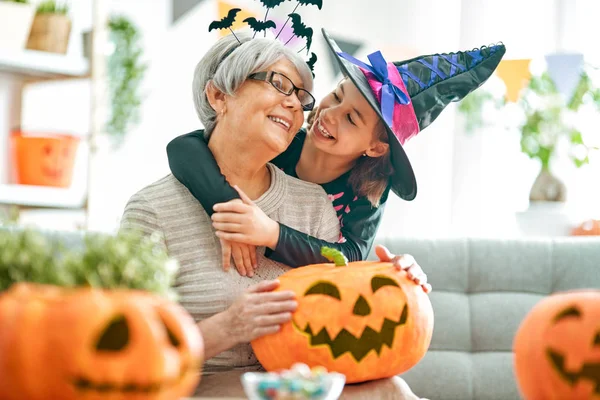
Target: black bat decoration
[318,3]
[259,26]
[272,3]
[311,63]
[301,30]
[226,22]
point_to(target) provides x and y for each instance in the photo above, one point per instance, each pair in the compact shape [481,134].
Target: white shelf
[41,196]
[42,65]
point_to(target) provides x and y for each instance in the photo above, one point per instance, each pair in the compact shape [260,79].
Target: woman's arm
[359,228]
[194,165]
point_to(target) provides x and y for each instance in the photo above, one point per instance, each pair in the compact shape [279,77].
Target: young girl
[352,148]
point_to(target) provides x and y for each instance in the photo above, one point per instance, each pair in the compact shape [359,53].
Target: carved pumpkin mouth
[358,347]
[589,371]
[54,173]
[83,384]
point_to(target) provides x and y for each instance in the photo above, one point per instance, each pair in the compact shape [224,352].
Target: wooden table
[228,385]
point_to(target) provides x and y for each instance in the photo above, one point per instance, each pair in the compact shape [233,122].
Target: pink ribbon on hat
[391,93]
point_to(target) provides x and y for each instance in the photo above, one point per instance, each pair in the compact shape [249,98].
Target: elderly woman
[250,97]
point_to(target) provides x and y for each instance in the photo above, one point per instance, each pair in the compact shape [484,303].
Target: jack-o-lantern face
[45,160]
[54,159]
[344,341]
[557,348]
[365,320]
[118,344]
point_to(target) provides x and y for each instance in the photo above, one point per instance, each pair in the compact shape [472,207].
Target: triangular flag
[347,47]
[565,71]
[224,8]
[516,75]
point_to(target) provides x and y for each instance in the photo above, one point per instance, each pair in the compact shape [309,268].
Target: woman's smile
[282,122]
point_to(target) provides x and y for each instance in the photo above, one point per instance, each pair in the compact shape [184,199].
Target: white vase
[545,219]
[15,25]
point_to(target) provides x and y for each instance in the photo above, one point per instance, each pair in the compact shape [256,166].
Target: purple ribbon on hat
[390,93]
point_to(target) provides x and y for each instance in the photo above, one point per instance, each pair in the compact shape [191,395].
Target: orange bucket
[44,159]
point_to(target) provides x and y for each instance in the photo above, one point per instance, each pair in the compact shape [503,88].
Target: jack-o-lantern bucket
[557,348]
[365,320]
[83,343]
[44,160]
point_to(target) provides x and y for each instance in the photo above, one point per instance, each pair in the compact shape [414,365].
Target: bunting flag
[565,70]
[224,8]
[346,46]
[516,75]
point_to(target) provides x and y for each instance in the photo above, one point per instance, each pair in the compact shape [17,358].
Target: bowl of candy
[298,383]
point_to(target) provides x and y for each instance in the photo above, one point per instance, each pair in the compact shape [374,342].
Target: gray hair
[227,65]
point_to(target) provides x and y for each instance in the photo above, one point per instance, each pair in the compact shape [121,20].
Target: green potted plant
[126,71]
[51,28]
[548,124]
[16,17]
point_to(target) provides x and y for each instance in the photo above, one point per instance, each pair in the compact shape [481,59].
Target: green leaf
[334,256]
[576,137]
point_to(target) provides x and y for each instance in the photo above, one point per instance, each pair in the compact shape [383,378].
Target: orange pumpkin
[69,344]
[365,320]
[46,160]
[557,348]
[588,228]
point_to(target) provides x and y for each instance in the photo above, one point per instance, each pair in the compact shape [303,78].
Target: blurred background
[91,92]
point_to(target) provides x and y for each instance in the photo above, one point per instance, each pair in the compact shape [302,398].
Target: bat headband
[300,30]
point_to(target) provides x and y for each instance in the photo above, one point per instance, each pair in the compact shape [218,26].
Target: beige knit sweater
[204,288]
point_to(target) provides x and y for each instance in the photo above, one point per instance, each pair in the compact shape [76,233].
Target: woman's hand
[244,222]
[405,262]
[244,257]
[259,311]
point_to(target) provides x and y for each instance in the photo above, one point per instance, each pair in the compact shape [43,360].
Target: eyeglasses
[284,85]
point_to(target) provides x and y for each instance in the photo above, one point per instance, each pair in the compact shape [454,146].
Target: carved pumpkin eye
[115,336]
[175,342]
[380,281]
[597,339]
[570,312]
[325,288]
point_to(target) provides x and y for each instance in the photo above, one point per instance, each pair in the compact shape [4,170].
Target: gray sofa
[482,290]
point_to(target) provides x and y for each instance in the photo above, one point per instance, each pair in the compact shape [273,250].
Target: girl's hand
[405,262]
[244,222]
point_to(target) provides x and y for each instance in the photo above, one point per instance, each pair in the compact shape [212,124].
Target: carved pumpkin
[588,228]
[58,343]
[45,160]
[365,320]
[557,348]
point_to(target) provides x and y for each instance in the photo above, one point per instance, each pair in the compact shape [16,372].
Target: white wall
[468,185]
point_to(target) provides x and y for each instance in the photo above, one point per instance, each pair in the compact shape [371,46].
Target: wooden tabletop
[228,385]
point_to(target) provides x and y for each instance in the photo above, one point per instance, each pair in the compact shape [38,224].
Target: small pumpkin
[45,160]
[557,348]
[59,343]
[364,319]
[587,228]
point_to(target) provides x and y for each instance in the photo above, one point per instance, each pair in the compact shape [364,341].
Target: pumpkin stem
[334,256]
